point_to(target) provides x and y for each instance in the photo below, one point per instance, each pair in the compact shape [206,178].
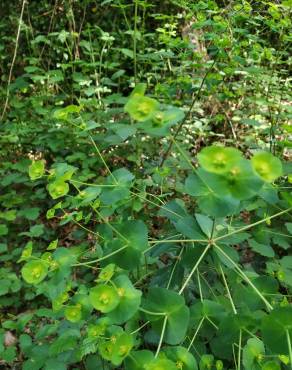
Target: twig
[13,60]
[188,113]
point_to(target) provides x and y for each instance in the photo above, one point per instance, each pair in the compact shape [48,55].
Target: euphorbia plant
[149,317]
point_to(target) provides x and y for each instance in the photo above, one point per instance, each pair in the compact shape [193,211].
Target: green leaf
[106,273]
[160,122]
[241,181]
[289,227]
[53,245]
[271,365]
[160,364]
[3,230]
[63,113]
[26,252]
[65,257]
[36,230]
[121,348]
[161,300]
[252,354]
[136,242]
[9,354]
[127,52]
[276,327]
[181,357]
[139,90]
[30,213]
[129,300]
[206,362]
[205,186]
[189,228]
[4,286]
[262,249]
[120,189]
[138,360]
[205,223]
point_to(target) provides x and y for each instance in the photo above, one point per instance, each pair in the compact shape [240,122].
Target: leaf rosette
[141,108]
[34,272]
[104,298]
[218,159]
[267,166]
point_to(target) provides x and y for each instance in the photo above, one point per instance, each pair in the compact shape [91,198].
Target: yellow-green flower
[141,108]
[34,272]
[73,313]
[104,298]
[58,189]
[161,364]
[218,159]
[267,166]
[36,169]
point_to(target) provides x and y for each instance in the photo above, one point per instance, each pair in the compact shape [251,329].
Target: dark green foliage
[145,185]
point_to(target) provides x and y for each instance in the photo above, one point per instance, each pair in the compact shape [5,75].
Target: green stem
[228,291]
[135,40]
[196,333]
[174,268]
[151,312]
[212,322]
[161,336]
[140,327]
[102,159]
[194,269]
[243,275]
[239,351]
[110,226]
[252,225]
[199,285]
[94,185]
[101,258]
[289,346]
[179,241]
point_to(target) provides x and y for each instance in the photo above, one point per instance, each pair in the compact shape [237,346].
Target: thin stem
[199,285]
[194,269]
[94,185]
[289,346]
[252,225]
[250,333]
[161,336]
[179,241]
[196,332]
[212,322]
[13,60]
[102,159]
[239,351]
[151,312]
[140,327]
[183,154]
[228,291]
[188,114]
[101,258]
[135,40]
[174,268]
[110,226]
[243,275]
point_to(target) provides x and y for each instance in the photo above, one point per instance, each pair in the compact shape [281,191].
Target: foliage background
[226,66]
